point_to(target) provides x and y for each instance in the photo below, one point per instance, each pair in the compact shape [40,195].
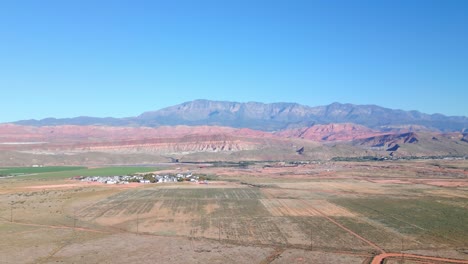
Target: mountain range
[203,130]
[270,117]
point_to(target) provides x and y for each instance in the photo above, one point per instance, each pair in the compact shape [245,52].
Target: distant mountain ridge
[269,117]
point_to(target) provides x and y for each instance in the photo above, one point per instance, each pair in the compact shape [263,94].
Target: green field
[429,220]
[63,173]
[34,170]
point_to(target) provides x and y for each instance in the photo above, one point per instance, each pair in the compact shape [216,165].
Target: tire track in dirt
[55,251]
[274,255]
[30,231]
[60,227]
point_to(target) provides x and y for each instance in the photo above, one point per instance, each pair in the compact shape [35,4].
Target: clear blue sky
[121,58]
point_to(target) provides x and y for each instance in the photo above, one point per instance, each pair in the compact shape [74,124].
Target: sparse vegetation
[354,208]
[427,219]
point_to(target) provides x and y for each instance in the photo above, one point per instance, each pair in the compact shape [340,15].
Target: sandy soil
[281,215]
[304,256]
[75,184]
[130,248]
[295,207]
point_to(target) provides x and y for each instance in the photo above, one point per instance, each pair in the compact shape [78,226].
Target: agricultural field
[61,173]
[35,170]
[332,212]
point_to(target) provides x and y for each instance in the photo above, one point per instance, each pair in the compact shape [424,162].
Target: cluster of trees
[374,158]
[152,179]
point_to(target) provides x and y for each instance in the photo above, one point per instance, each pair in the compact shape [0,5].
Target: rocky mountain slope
[330,132]
[106,144]
[270,117]
[205,130]
[132,139]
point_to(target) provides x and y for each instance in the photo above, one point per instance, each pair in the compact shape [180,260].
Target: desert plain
[412,211]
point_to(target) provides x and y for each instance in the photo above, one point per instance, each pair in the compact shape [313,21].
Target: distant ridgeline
[271,117]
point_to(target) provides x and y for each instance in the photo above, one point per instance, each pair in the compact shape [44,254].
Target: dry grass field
[328,212]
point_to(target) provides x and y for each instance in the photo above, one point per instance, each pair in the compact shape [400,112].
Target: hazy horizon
[150,110]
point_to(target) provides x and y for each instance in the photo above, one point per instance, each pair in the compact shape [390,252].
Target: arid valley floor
[321,212]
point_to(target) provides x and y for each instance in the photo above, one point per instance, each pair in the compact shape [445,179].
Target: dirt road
[379,259]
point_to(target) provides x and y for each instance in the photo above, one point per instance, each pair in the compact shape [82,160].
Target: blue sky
[121,58]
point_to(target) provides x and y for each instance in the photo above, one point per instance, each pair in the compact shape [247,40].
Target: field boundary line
[370,243]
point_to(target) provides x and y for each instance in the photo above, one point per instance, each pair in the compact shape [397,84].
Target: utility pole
[311,238]
[402,248]
[219,229]
[11,212]
[74,219]
[137,223]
